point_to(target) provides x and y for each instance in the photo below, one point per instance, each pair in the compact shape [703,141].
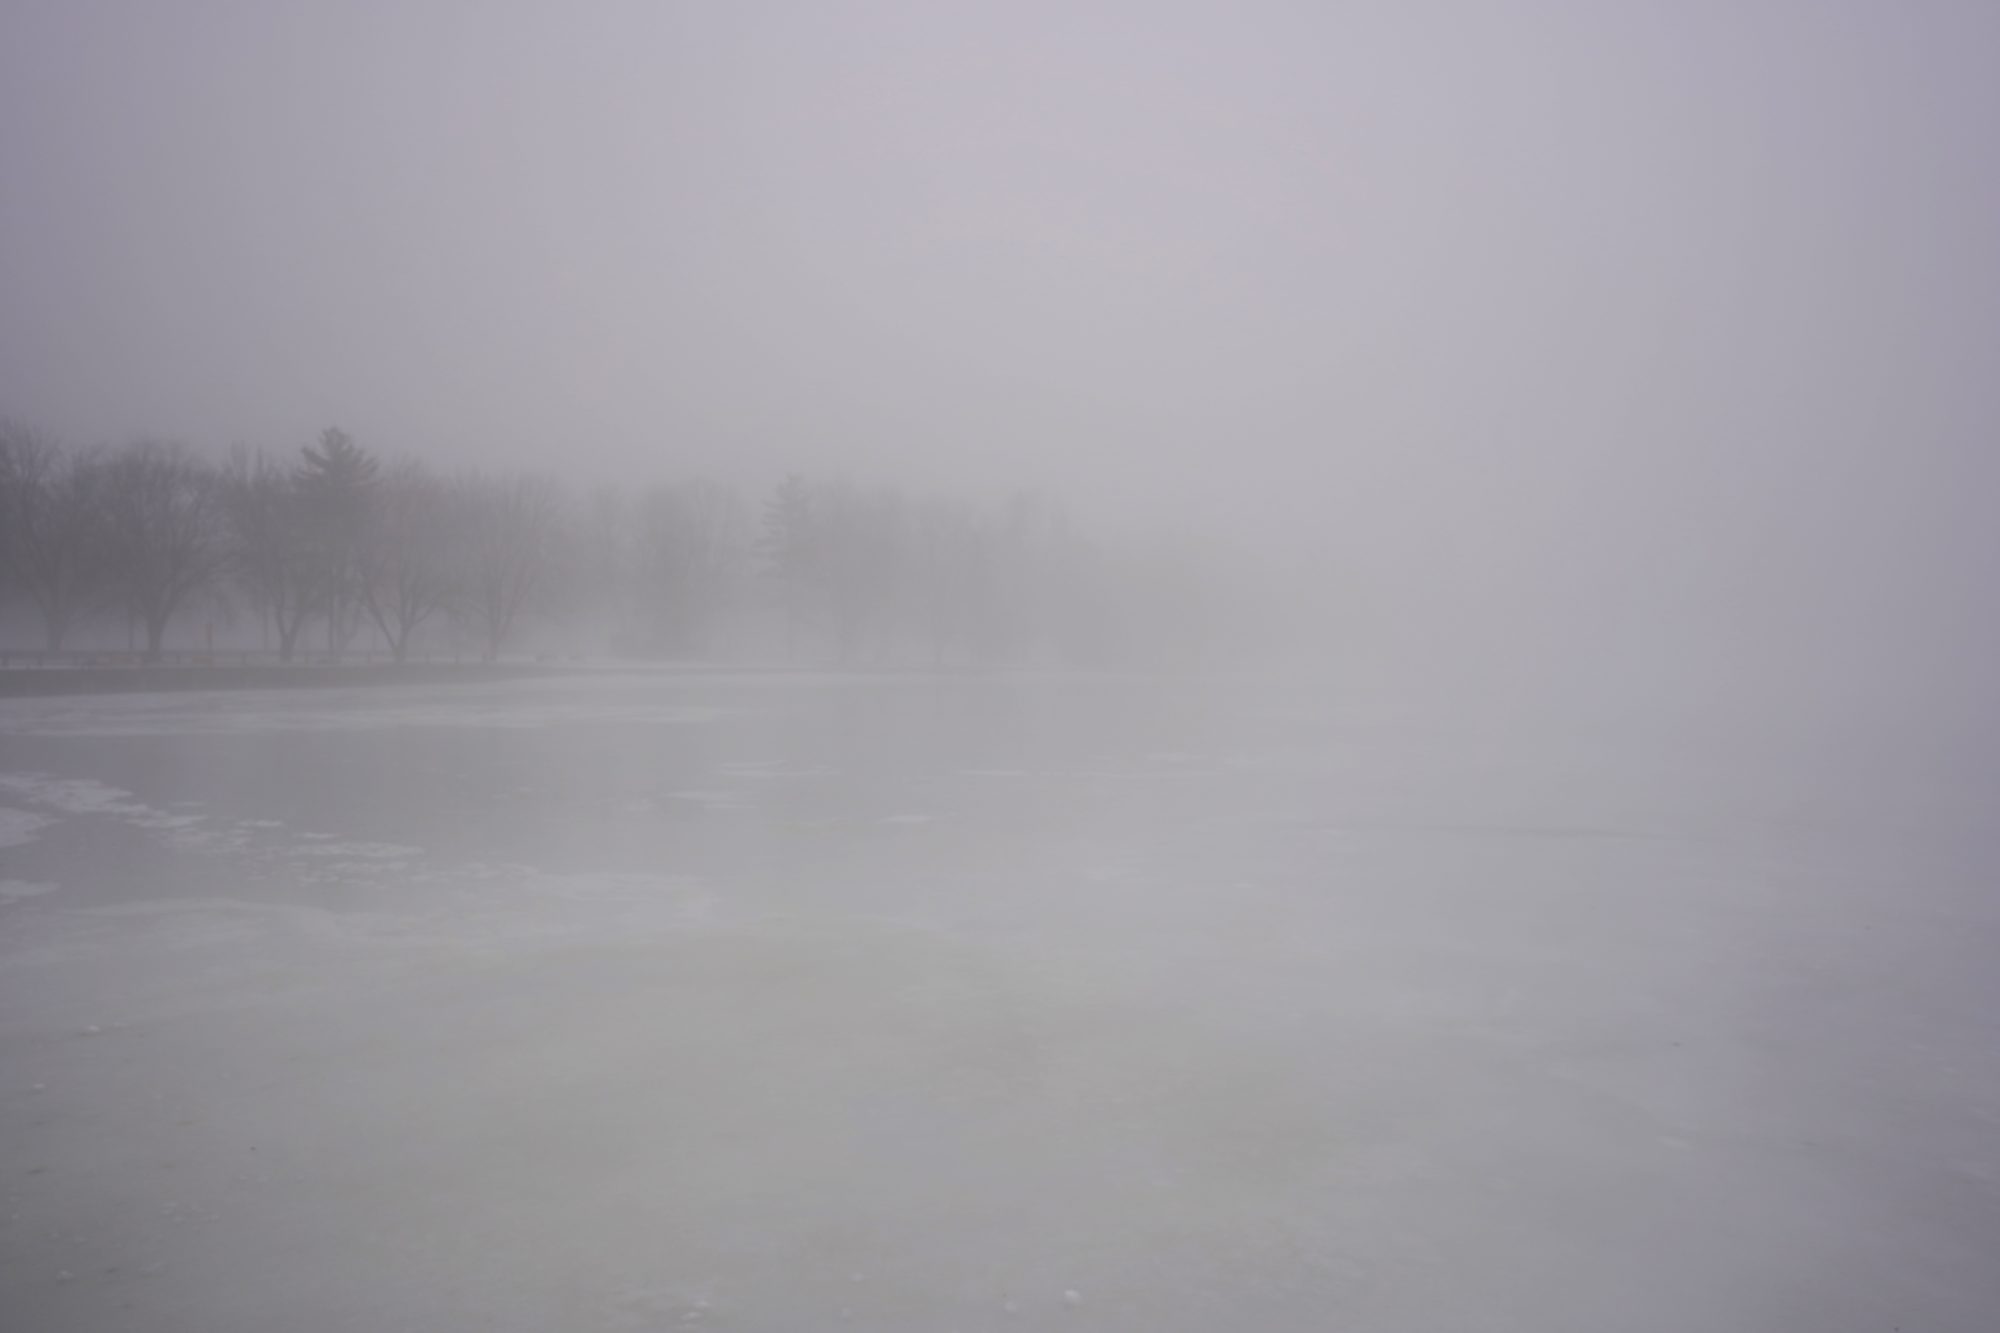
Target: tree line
[336,548]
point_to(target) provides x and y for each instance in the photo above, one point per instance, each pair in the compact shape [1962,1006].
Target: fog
[971,666]
[1529,315]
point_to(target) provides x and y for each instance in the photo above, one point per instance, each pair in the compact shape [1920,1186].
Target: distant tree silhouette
[689,549]
[52,528]
[337,480]
[163,531]
[512,535]
[409,569]
[947,562]
[786,550]
[271,547]
[855,572]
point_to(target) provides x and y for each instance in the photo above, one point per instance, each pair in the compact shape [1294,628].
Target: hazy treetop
[1627,305]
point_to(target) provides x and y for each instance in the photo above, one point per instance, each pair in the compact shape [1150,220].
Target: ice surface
[1205,1017]
[364,709]
[20,826]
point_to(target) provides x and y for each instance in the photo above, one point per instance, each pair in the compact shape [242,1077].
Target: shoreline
[30,682]
[26,682]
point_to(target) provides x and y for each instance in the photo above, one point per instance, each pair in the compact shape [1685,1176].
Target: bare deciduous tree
[946,583]
[690,544]
[408,573]
[513,529]
[53,525]
[270,548]
[601,569]
[859,551]
[163,535]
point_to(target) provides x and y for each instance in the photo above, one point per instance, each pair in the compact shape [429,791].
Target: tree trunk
[497,629]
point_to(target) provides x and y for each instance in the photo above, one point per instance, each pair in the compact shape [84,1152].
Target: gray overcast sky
[1593,309]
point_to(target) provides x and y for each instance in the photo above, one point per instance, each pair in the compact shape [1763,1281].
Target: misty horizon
[1430,309]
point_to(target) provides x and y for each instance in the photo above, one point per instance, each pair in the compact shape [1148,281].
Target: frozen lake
[801,1003]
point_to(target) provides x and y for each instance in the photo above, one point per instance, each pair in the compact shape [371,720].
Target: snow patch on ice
[89,797]
[74,796]
[362,851]
[160,821]
[711,800]
[908,819]
[15,890]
